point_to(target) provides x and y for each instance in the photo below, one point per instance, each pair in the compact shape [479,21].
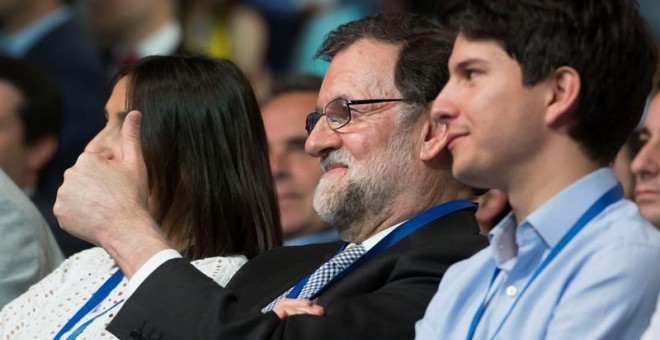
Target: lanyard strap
[611,196]
[392,238]
[94,301]
[74,335]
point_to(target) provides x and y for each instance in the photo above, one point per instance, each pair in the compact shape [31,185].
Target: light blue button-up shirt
[603,285]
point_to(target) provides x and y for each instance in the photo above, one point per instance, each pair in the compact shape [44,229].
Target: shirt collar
[503,240]
[18,44]
[554,218]
[374,239]
[162,42]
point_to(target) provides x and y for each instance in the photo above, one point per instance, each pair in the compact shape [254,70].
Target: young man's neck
[530,186]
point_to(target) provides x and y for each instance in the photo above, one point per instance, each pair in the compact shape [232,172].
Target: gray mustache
[336,157]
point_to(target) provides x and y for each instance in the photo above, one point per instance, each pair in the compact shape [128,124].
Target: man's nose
[647,160]
[443,110]
[322,139]
[279,164]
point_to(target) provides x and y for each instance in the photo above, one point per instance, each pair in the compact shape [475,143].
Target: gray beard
[349,209]
[370,190]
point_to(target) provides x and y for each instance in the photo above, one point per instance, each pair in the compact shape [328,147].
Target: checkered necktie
[324,274]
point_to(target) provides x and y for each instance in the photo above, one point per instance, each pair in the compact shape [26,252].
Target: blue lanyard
[611,196]
[96,299]
[392,238]
[74,335]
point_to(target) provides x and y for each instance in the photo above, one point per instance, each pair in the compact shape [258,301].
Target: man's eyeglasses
[338,112]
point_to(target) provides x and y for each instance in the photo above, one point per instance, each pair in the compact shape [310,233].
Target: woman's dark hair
[206,155]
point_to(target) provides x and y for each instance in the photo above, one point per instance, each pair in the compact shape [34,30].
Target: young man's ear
[39,153]
[565,86]
[434,140]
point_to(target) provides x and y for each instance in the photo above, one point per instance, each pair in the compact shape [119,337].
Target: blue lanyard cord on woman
[611,196]
[392,238]
[103,292]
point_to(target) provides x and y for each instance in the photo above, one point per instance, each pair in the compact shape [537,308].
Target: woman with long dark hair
[210,189]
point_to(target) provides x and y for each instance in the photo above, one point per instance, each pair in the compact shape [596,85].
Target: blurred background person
[46,33]
[296,173]
[650,10]
[229,29]
[284,19]
[646,165]
[320,17]
[296,27]
[31,113]
[128,30]
[28,251]
[206,161]
[622,169]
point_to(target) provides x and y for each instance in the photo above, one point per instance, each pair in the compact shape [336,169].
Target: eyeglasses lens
[338,113]
[311,121]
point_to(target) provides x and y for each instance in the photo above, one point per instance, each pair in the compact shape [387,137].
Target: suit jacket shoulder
[381,299]
[27,247]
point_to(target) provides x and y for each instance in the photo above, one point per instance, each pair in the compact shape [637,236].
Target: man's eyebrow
[467,63]
[339,96]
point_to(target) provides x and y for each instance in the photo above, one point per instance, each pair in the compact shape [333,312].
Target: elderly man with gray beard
[386,187]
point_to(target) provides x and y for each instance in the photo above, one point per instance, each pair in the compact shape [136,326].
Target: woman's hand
[104,201]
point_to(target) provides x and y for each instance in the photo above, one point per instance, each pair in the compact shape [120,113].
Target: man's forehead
[364,70]
[467,50]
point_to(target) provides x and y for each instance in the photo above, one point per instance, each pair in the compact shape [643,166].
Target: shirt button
[511,291]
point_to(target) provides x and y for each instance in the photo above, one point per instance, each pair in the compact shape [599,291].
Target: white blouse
[46,307]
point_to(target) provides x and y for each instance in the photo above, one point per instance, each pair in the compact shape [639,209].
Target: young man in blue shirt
[541,96]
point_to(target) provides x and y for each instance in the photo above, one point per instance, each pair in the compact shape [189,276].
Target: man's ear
[565,87]
[39,153]
[434,140]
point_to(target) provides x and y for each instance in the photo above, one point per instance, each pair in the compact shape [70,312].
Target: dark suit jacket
[382,299]
[69,57]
